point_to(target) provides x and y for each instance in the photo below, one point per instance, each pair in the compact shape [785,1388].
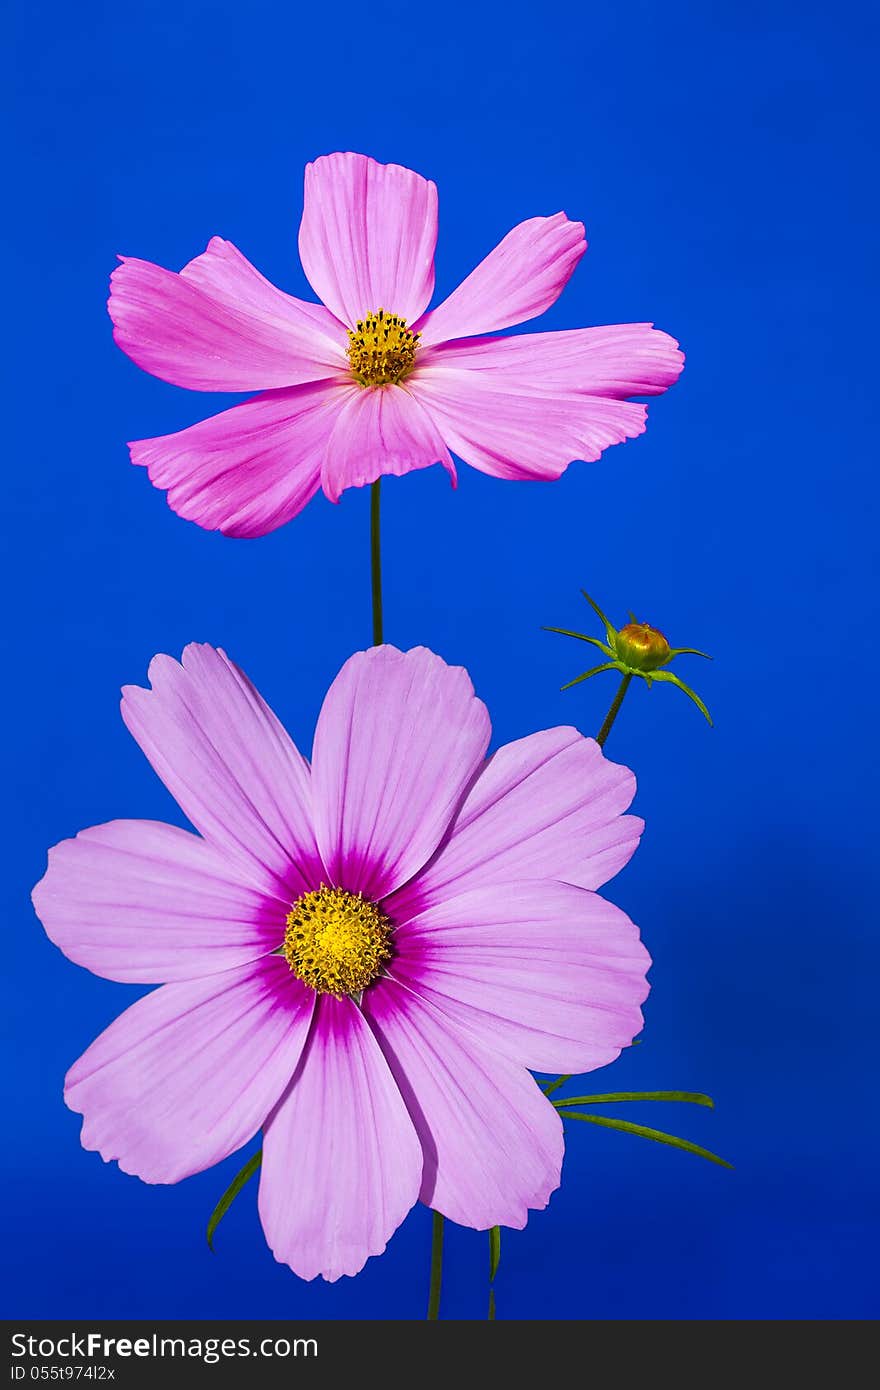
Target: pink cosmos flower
[361,956]
[367,382]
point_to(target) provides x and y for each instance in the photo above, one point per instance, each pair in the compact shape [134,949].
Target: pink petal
[546,806]
[522,277]
[549,974]
[617,361]
[341,1160]
[367,236]
[489,419]
[398,739]
[231,767]
[250,469]
[380,431]
[144,902]
[188,1074]
[492,1143]
[220,326]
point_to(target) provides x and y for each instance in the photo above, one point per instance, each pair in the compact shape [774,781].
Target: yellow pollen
[381,350]
[336,942]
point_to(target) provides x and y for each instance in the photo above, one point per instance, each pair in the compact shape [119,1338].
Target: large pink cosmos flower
[367,383]
[362,956]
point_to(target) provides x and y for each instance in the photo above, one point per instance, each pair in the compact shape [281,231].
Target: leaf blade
[242,1177]
[645,1132]
[549,1087]
[689,1097]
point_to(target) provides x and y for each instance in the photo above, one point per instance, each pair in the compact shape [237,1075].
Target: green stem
[494,1261]
[436,1267]
[600,739]
[612,713]
[376,561]
[378,638]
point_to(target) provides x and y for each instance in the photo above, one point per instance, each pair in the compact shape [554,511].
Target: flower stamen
[336,942]
[381,349]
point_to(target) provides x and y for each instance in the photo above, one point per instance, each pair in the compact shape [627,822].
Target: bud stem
[612,713]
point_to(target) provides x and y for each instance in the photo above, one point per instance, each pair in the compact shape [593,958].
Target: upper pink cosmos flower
[364,955]
[367,382]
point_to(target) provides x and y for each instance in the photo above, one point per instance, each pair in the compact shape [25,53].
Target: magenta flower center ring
[381,349]
[336,942]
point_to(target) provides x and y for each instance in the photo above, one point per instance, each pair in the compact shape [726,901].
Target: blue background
[721,158]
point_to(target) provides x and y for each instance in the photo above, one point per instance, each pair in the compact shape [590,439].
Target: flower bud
[642,647]
[636,650]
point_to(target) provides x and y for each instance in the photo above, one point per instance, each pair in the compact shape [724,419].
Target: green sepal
[582,637]
[238,1182]
[688,651]
[610,629]
[585,676]
[691,694]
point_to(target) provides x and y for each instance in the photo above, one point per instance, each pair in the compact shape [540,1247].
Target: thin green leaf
[582,637]
[691,1097]
[494,1252]
[232,1191]
[548,1087]
[585,676]
[610,630]
[691,694]
[490,1316]
[688,651]
[645,1133]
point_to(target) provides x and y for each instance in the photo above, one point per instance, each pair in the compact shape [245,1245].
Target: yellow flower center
[336,942]
[381,350]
